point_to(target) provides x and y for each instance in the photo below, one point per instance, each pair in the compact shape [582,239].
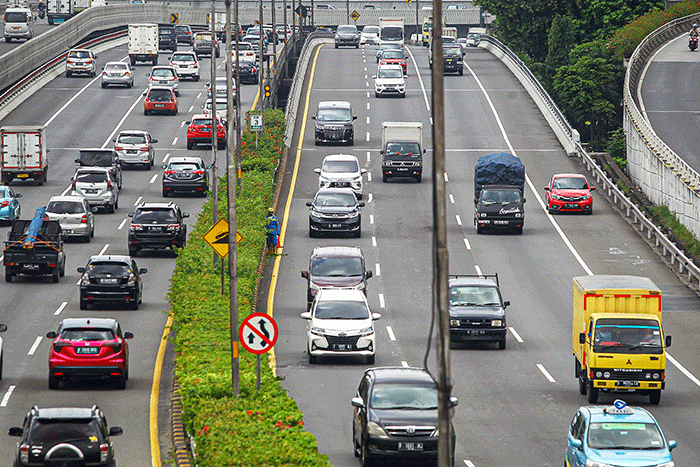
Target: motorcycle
[41,10]
[693,43]
[42,14]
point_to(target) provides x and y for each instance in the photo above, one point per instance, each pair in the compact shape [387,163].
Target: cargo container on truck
[143,43]
[24,153]
[391,31]
[402,150]
[617,338]
[499,185]
[58,11]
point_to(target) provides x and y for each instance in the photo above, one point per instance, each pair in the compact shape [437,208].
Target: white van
[18,23]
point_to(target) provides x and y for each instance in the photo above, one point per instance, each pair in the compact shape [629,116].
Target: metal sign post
[258,334]
[257,124]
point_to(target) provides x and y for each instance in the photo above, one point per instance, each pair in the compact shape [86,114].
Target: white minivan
[18,23]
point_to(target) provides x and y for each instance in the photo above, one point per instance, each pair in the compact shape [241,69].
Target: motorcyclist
[41,7]
[694,31]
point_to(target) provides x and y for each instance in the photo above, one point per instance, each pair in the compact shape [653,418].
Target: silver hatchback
[97,186]
[120,73]
[74,214]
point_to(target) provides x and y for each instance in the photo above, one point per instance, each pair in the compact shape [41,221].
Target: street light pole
[261,93]
[214,181]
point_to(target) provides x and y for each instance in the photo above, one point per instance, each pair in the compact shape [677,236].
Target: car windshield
[474,296]
[96,158]
[182,28]
[79,54]
[341,310]
[183,58]
[347,30]
[162,73]
[155,216]
[160,95]
[500,196]
[65,207]
[371,30]
[109,268]
[451,52]
[91,177]
[5,192]
[340,166]
[570,183]
[87,334]
[392,33]
[392,54]
[15,17]
[627,336]
[336,266]
[620,435]
[50,431]
[183,166]
[131,138]
[404,396]
[473,36]
[403,150]
[116,67]
[333,114]
[383,73]
[336,199]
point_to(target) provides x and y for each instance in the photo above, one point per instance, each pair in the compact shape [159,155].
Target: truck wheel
[419,177]
[8,274]
[55,275]
[577,372]
[461,71]
[155,61]
[592,393]
[655,397]
[63,270]
[133,61]
[582,385]
[50,22]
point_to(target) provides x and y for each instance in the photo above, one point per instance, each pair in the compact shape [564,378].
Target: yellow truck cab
[617,338]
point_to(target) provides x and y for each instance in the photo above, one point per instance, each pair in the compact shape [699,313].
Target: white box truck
[143,43]
[24,153]
[391,31]
[402,150]
[80,5]
[58,11]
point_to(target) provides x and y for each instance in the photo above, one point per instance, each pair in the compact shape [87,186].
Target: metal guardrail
[678,260]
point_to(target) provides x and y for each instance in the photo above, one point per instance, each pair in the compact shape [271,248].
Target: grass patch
[668,221]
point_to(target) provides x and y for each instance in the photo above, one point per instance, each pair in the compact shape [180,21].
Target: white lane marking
[365,74]
[469,463]
[369,198]
[368,97]
[452,198]
[377,269]
[199,95]
[368,103]
[175,141]
[371,219]
[153,178]
[466,243]
[683,370]
[121,122]
[381,301]
[6,397]
[445,175]
[478,270]
[182,124]
[191,109]
[459,219]
[365,67]
[422,85]
[431,120]
[515,334]
[374,241]
[367,83]
[121,226]
[368,157]
[103,249]
[138,200]
[1,258]
[392,336]
[60,308]
[58,112]
[367,120]
[369,176]
[166,157]
[404,364]
[368,136]
[546,373]
[35,345]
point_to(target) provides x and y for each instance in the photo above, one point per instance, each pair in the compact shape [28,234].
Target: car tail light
[4,18]
[58,345]
[174,227]
[109,184]
[83,220]
[104,453]
[4,204]
[73,185]
[169,172]
[116,346]
[104,73]
[143,149]
[198,172]
[118,148]
[24,454]
[135,227]
[172,63]
[254,70]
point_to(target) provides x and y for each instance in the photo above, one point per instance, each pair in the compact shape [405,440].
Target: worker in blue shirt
[272,229]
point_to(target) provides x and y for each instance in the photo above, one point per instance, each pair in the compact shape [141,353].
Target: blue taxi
[617,436]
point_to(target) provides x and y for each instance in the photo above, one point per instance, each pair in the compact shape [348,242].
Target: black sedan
[335,210]
[111,279]
[248,71]
[185,175]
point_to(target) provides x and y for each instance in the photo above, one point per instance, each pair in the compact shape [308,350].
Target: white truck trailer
[24,153]
[143,43]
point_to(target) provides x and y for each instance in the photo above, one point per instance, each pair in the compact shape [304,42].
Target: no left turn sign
[258,333]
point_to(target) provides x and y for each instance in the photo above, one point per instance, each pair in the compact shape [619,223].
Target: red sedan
[394,57]
[160,99]
[199,131]
[89,347]
[569,193]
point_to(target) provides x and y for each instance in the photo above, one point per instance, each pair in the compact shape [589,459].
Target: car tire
[419,177]
[86,238]
[312,359]
[358,234]
[655,397]
[8,39]
[461,71]
[120,382]
[92,231]
[104,85]
[84,304]
[130,85]
[165,193]
[518,231]
[133,252]
[502,344]
[364,459]
[54,382]
[68,74]
[355,447]
[312,234]
[479,230]
[190,145]
[145,112]
[63,270]
[134,305]
[370,360]
[196,78]
[2,359]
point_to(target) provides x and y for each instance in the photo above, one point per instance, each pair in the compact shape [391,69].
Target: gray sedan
[119,73]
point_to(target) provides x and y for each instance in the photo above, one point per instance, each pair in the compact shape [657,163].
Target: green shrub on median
[262,428]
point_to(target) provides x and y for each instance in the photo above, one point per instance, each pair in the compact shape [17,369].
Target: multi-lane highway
[515,404]
[79,114]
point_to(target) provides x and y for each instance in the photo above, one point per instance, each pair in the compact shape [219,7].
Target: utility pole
[419,29]
[261,93]
[238,102]
[231,193]
[214,178]
[347,11]
[440,253]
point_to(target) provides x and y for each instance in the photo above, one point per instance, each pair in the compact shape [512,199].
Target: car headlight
[435,433]
[131,280]
[353,214]
[588,196]
[454,322]
[316,331]
[518,215]
[313,286]
[366,331]
[560,198]
[590,463]
[85,280]
[313,213]
[483,214]
[374,429]
[496,322]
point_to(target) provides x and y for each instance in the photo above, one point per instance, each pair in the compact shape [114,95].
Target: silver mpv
[97,186]
[74,214]
[135,147]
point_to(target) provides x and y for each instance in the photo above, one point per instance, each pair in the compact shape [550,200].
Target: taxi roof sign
[619,407]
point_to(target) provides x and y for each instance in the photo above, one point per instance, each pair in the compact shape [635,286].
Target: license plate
[23,176]
[160,106]
[154,229]
[15,29]
[571,206]
[87,350]
[402,169]
[108,280]
[91,192]
[30,266]
[342,347]
[335,226]
[162,82]
[627,384]
[500,222]
[410,446]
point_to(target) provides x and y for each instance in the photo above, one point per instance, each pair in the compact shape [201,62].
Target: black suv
[477,311]
[167,39]
[111,279]
[65,436]
[453,59]
[335,266]
[334,123]
[396,415]
[100,157]
[335,210]
[158,226]
[183,33]
[185,175]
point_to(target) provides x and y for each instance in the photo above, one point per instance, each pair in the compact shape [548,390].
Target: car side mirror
[313,117]
[18,195]
[15,431]
[3,327]
[317,170]
[582,338]
[77,161]
[51,334]
[144,93]
[672,444]
[361,204]
[304,274]
[368,274]
[576,443]
[306,315]
[143,271]
[374,76]
[506,304]
[592,188]
[81,270]
[128,335]
[454,402]
[164,166]
[115,431]
[354,117]
[363,171]
[668,341]
[524,200]
[476,201]
[103,68]
[185,214]
[423,151]
[376,316]
[148,74]
[546,188]
[131,214]
[357,402]
[154,141]
[94,209]
[309,203]
[188,122]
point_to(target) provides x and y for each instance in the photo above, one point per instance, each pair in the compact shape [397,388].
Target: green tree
[560,42]
[599,19]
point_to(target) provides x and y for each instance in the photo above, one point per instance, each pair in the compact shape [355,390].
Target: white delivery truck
[391,31]
[448,32]
[80,5]
[24,153]
[143,43]
[58,11]
[402,150]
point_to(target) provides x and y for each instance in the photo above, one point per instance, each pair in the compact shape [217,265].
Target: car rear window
[87,334]
[183,166]
[79,54]
[160,95]
[131,139]
[183,58]
[163,72]
[15,17]
[201,121]
[65,207]
[109,267]
[56,430]
[155,216]
[91,177]
[116,67]
[336,266]
[96,158]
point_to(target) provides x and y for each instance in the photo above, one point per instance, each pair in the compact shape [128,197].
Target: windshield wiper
[645,344]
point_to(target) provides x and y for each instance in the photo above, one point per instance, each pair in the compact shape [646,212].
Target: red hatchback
[199,131]
[394,57]
[160,99]
[569,193]
[89,348]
